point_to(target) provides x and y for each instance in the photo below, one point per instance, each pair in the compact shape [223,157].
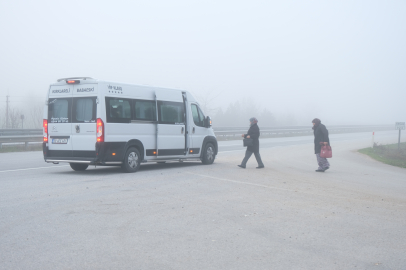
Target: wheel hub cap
[133,160]
[210,153]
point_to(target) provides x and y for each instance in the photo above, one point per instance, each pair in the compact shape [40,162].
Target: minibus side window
[145,110]
[118,110]
[84,110]
[202,117]
[171,113]
[59,110]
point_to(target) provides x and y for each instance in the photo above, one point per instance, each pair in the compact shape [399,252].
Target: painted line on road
[284,189]
[240,182]
[17,170]
[276,146]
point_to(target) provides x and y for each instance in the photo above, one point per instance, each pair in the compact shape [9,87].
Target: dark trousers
[248,154]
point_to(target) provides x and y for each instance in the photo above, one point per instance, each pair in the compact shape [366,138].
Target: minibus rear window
[84,110]
[59,110]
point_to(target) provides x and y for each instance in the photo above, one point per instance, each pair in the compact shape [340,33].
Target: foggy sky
[341,61]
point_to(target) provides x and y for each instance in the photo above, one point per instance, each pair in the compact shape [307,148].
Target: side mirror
[208,122]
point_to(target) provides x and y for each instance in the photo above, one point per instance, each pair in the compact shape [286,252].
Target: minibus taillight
[45,125]
[100,130]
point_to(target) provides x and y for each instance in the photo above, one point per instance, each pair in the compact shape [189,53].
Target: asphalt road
[192,216]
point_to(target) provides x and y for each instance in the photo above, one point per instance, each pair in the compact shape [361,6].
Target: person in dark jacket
[320,138]
[253,133]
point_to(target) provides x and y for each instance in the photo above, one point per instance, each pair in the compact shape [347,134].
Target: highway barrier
[13,136]
[232,133]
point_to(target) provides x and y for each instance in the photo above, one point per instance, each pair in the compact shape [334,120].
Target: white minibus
[92,122]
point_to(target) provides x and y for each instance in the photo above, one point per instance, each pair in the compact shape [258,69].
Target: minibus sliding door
[171,126]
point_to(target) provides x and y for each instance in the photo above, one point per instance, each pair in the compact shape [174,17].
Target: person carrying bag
[251,141]
[322,147]
[248,142]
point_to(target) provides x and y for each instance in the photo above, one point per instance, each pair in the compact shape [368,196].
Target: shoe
[326,168]
[260,167]
[241,166]
[319,170]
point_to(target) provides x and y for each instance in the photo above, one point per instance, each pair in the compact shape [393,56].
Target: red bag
[326,151]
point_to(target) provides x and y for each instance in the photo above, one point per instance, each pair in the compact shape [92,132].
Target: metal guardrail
[20,136]
[231,133]
[222,133]
[18,132]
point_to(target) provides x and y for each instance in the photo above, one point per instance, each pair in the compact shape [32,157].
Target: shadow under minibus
[97,170]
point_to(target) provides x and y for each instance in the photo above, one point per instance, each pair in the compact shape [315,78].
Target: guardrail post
[1,145]
[26,146]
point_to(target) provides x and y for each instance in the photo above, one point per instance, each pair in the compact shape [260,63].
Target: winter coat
[320,135]
[254,134]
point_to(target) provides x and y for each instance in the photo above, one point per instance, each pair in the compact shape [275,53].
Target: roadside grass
[388,154]
[20,148]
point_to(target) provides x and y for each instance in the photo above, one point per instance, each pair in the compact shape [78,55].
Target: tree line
[238,113]
[33,114]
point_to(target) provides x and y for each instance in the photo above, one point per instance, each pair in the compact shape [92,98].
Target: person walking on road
[320,138]
[253,133]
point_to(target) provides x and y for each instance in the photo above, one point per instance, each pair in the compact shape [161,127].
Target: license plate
[59,141]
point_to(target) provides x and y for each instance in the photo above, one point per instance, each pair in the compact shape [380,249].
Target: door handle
[193,131]
[183,129]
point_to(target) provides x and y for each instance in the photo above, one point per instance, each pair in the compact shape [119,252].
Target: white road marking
[285,189]
[50,167]
[276,146]
[240,182]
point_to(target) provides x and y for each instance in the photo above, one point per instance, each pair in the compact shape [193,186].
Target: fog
[341,61]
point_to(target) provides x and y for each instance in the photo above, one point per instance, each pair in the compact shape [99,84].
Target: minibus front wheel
[208,154]
[132,159]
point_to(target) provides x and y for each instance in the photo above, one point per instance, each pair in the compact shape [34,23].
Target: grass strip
[20,148]
[389,154]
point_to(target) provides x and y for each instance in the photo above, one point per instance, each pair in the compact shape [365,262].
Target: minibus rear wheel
[208,154]
[78,166]
[132,159]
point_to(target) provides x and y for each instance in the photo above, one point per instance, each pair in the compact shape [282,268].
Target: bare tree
[2,118]
[207,102]
[34,115]
[287,119]
[267,119]
[14,118]
[238,113]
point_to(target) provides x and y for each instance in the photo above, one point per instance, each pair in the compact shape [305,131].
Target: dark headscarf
[317,122]
[253,120]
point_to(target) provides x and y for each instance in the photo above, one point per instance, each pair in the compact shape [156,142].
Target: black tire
[78,166]
[132,160]
[208,154]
